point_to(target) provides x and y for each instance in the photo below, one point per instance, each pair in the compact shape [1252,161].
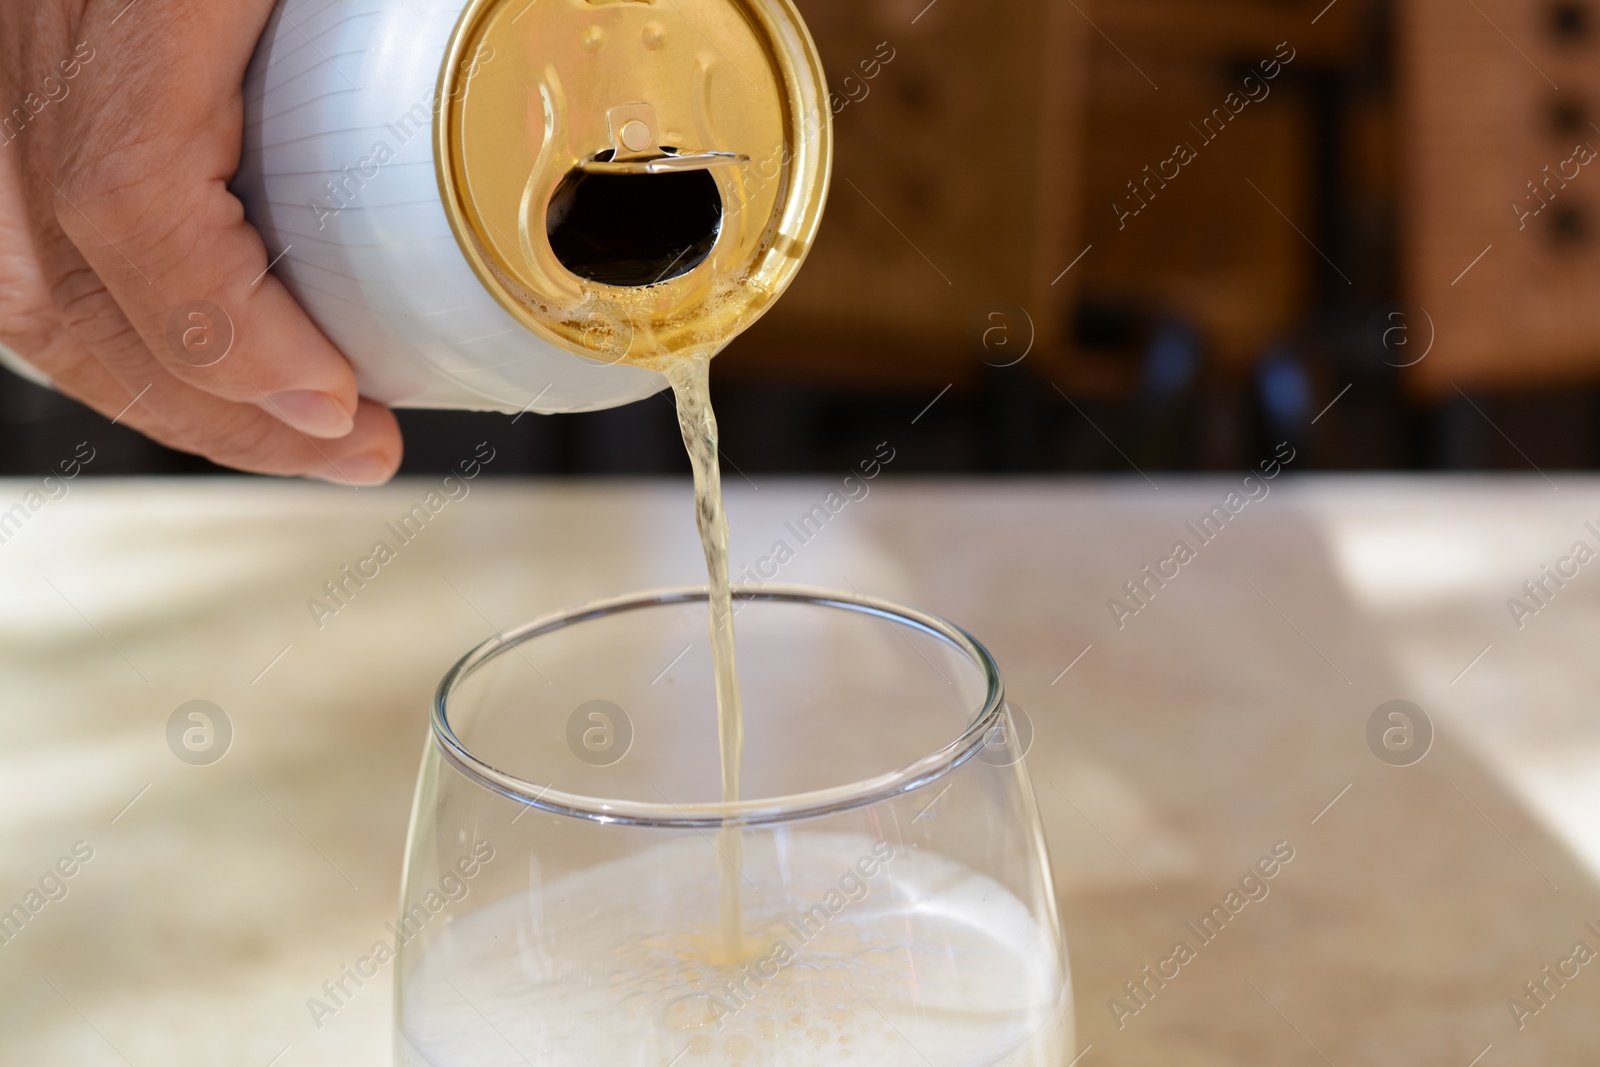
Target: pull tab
[636,147]
[633,132]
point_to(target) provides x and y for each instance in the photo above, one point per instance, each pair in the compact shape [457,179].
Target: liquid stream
[632,326]
[691,384]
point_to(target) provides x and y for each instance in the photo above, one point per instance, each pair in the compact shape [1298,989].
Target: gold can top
[633,180]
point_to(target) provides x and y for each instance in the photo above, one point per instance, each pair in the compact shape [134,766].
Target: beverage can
[531,204]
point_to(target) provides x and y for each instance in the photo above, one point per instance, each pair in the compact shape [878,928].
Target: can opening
[634,230]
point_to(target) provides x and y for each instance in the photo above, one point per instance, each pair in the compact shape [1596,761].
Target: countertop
[1174,747]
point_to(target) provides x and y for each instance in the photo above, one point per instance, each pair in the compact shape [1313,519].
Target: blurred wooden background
[1385,159]
[1495,140]
[998,145]
[956,184]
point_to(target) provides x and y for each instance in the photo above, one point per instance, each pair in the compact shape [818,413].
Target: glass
[563,904]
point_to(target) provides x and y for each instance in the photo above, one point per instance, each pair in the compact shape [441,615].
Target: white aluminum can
[376,132]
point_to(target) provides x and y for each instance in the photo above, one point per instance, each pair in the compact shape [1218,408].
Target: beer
[925,963]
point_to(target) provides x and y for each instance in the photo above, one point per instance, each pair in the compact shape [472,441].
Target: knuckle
[28,317]
[88,311]
[247,438]
[120,194]
[28,327]
[102,162]
[70,373]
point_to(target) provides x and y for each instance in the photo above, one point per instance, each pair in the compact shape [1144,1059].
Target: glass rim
[715,814]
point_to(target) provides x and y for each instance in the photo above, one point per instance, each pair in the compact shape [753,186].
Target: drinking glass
[577,893]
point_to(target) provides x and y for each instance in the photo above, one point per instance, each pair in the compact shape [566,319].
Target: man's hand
[120,128]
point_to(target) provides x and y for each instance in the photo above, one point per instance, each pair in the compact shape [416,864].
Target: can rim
[796,215]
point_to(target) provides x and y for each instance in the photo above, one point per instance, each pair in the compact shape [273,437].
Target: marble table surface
[1174,747]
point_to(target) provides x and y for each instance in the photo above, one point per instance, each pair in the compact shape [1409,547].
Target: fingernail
[363,468]
[316,414]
